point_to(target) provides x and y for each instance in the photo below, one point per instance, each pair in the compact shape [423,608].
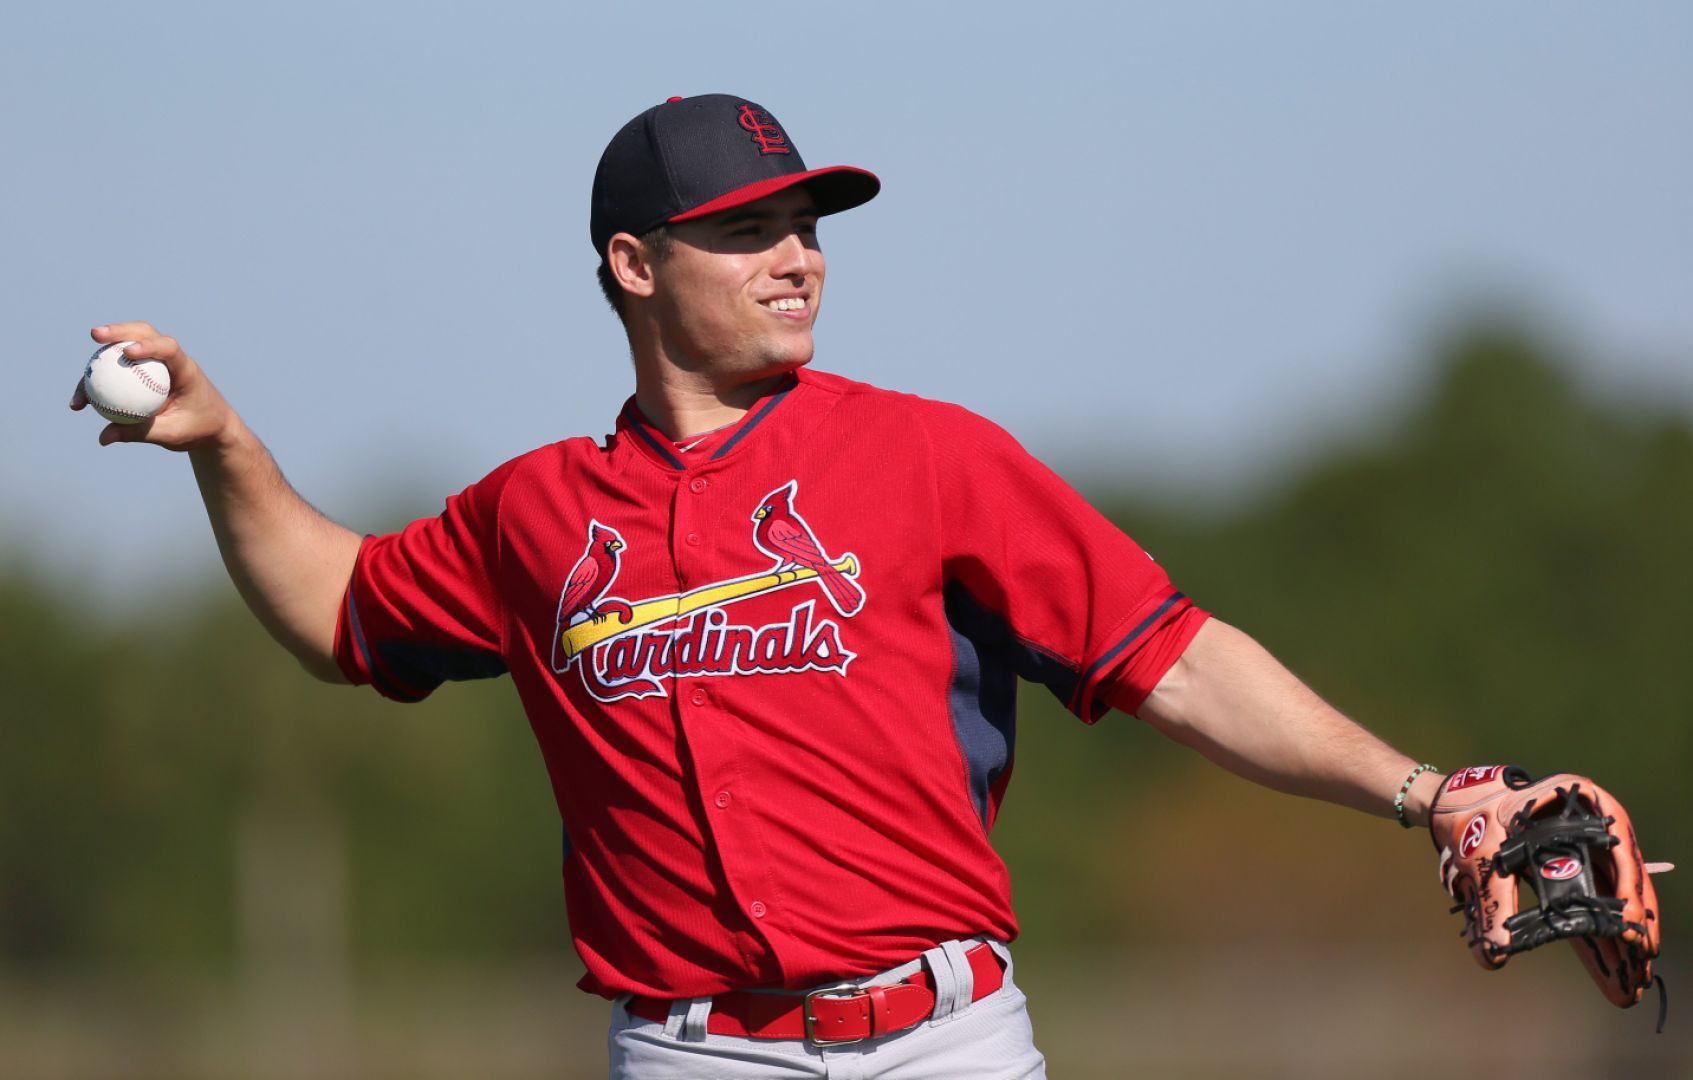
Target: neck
[684,404]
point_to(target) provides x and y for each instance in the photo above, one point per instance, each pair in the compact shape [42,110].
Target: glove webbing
[1570,907]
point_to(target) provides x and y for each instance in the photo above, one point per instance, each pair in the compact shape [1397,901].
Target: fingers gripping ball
[1573,845]
[122,390]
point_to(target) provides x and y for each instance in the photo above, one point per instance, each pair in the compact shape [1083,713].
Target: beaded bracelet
[1399,799]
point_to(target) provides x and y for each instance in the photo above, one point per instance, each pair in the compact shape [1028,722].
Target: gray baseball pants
[990,1039]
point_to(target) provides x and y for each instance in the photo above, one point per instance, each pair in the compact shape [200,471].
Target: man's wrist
[228,441]
[1419,797]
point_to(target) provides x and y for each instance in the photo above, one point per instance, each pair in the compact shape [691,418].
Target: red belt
[835,1014]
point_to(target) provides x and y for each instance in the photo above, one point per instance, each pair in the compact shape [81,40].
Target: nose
[795,259]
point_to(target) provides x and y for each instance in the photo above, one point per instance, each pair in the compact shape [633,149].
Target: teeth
[795,303]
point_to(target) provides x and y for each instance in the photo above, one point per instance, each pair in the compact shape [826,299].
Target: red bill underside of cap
[836,188]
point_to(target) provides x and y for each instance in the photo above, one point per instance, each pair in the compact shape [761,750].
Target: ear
[630,264]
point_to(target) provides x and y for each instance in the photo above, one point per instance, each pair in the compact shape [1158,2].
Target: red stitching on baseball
[146,379]
[104,409]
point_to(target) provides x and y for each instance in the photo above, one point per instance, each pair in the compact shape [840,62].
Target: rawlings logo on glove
[1572,843]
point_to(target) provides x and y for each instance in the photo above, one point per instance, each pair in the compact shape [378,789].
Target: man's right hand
[195,415]
[289,562]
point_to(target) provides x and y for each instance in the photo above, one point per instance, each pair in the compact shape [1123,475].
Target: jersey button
[699,696]
[698,484]
[758,909]
[694,539]
[722,800]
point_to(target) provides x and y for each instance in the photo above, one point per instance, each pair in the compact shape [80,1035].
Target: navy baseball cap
[700,155]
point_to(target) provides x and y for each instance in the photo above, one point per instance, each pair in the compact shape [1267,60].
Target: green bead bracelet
[1399,799]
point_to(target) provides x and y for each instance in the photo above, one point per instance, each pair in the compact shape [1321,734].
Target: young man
[768,635]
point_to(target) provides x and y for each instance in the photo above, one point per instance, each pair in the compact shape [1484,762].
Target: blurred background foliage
[1501,573]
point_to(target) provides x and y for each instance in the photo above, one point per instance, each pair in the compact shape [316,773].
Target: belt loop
[940,969]
[939,963]
[673,1019]
[963,976]
[693,1022]
[686,1022]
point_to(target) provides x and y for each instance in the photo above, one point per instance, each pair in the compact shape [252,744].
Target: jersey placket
[705,718]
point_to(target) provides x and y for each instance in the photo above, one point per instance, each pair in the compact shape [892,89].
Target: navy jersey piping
[639,427]
[358,632]
[1103,663]
[387,686]
[757,417]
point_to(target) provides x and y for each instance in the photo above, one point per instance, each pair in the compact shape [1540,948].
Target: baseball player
[768,635]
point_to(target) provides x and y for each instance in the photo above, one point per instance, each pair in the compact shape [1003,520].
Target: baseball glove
[1572,843]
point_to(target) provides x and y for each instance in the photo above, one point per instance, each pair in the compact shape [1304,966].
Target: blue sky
[1167,246]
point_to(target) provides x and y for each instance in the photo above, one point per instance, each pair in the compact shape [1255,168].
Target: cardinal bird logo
[657,639]
[783,535]
[591,577]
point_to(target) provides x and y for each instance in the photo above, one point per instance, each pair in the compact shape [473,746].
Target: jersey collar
[658,447]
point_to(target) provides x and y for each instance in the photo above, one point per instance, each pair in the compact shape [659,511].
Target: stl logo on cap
[764,131]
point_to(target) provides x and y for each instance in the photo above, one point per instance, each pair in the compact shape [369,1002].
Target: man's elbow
[1200,693]
[323,668]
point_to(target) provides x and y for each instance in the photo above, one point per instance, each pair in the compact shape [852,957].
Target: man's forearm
[289,562]
[1228,698]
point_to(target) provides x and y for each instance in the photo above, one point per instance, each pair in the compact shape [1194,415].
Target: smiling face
[738,293]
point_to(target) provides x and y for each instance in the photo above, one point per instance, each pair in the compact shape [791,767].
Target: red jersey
[772,674]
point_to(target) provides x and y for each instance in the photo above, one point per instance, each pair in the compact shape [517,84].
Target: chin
[788,356]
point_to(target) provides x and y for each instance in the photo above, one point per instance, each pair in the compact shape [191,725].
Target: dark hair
[657,244]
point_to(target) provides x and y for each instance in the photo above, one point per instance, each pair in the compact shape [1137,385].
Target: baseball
[122,390]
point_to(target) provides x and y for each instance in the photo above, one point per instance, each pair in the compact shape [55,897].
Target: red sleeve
[1068,599]
[422,606]
[1125,686]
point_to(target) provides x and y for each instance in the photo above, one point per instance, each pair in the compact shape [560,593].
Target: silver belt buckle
[843,991]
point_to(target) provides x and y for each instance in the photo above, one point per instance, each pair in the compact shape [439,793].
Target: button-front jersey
[773,675]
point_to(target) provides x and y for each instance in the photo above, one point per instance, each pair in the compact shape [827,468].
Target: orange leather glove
[1573,844]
